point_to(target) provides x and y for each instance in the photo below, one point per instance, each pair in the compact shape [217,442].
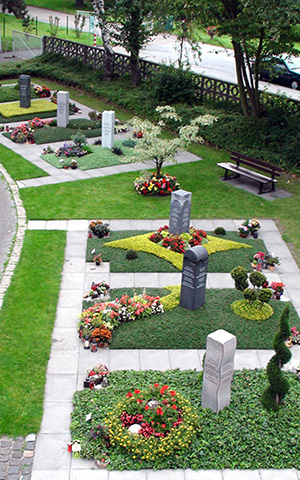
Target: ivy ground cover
[185,329]
[243,436]
[222,262]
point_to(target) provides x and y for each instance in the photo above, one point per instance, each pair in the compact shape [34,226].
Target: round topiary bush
[153,423]
[240,277]
[250,294]
[257,279]
[220,231]
[131,254]
[252,311]
[264,295]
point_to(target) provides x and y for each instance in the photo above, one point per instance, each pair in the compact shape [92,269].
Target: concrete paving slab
[264,357]
[72,281]
[50,475]
[284,474]
[73,250]
[84,464]
[146,280]
[70,298]
[165,475]
[97,276]
[95,173]
[203,474]
[89,474]
[56,225]
[60,388]
[270,238]
[140,225]
[78,225]
[166,279]
[118,280]
[64,338]
[91,267]
[36,225]
[293,294]
[155,360]
[64,362]
[67,317]
[73,265]
[279,249]
[207,225]
[88,360]
[129,475]
[246,359]
[124,360]
[219,280]
[227,224]
[238,474]
[287,266]
[56,417]
[51,453]
[185,359]
[268,224]
[119,225]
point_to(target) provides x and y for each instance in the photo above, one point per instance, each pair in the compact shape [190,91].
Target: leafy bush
[131,254]
[264,295]
[250,294]
[257,279]
[220,231]
[240,277]
[252,311]
[172,85]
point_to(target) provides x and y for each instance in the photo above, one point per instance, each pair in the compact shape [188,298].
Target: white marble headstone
[108,128]
[62,109]
[218,370]
[180,212]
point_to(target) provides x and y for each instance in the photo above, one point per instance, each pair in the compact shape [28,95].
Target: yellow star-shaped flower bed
[141,243]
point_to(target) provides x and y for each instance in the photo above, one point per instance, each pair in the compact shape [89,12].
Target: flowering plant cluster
[277,287]
[100,288]
[137,134]
[111,314]
[70,150]
[42,92]
[99,228]
[254,225]
[154,186]
[212,31]
[152,423]
[248,226]
[97,373]
[97,258]
[24,132]
[178,243]
[294,339]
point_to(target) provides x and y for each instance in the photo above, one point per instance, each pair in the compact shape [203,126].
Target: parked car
[283,71]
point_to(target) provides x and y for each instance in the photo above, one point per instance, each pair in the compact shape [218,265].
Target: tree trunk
[135,73]
[238,65]
[99,9]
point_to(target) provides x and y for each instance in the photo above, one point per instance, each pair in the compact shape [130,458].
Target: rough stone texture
[180,212]
[13,462]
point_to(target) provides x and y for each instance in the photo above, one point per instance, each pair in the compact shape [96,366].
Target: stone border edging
[18,241]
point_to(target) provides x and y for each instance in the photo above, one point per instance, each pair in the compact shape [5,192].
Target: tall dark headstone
[180,212]
[25,94]
[193,281]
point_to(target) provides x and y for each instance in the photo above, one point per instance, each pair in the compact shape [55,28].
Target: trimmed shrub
[240,277]
[257,279]
[250,294]
[172,85]
[131,254]
[220,231]
[273,396]
[264,295]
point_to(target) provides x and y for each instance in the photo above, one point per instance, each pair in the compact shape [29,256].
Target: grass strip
[185,329]
[27,318]
[12,109]
[17,167]
[221,262]
[242,436]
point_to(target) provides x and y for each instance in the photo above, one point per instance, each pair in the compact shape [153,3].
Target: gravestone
[218,370]
[193,280]
[108,128]
[180,212]
[25,94]
[62,109]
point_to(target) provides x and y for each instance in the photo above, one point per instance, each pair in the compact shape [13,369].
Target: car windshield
[293,63]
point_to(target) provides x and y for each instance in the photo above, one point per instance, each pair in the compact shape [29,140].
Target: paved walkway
[69,361]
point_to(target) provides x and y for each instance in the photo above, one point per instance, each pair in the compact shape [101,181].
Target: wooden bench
[258,165]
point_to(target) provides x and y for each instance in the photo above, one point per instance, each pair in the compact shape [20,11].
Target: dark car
[282,71]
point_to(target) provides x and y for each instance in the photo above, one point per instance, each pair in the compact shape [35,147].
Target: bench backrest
[256,163]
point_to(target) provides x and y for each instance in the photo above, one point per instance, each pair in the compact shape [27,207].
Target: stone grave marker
[218,370]
[180,212]
[62,109]
[193,280]
[108,129]
[25,94]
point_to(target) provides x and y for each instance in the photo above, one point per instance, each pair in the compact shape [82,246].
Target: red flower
[174,406]
[159,411]
[147,407]
[156,385]
[129,395]
[139,400]
[137,391]
[173,393]
[163,425]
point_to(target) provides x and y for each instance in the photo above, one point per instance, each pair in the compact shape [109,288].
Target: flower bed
[97,322]
[9,110]
[24,132]
[152,423]
[42,92]
[149,185]
[178,243]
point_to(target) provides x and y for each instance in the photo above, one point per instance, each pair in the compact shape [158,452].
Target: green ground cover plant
[184,329]
[13,109]
[100,157]
[11,93]
[27,318]
[218,444]
[147,262]
[17,167]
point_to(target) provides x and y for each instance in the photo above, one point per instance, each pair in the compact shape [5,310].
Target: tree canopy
[17,7]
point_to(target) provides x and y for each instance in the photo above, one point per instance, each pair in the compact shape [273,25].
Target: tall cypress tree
[279,386]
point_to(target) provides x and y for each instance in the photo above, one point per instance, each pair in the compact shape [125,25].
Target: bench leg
[260,189]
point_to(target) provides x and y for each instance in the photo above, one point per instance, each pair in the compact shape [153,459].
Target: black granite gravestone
[25,94]
[180,212]
[193,282]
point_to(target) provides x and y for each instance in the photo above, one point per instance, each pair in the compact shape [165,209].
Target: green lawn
[27,318]
[146,262]
[18,167]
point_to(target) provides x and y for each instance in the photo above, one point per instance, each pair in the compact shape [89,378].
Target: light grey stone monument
[25,94]
[218,370]
[180,212]
[62,109]
[193,280]
[108,128]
